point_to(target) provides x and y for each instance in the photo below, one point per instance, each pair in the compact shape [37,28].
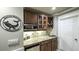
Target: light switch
[13,42]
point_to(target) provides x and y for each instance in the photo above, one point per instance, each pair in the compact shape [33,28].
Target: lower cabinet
[47,45]
[54,44]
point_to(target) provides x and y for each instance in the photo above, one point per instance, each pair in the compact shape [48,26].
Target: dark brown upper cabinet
[30,20]
[50,21]
[35,20]
[42,22]
[30,17]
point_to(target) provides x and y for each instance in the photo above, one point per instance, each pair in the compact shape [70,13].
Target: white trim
[70,14]
[66,11]
[69,17]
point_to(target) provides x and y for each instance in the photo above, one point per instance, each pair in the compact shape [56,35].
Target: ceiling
[49,9]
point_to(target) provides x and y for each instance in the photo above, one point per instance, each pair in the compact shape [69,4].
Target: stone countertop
[31,41]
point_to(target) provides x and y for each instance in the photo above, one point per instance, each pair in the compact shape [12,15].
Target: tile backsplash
[32,34]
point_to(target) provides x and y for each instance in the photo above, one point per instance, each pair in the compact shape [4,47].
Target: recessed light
[53,8]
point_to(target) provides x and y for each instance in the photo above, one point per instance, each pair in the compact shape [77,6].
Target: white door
[76,34]
[68,32]
[65,33]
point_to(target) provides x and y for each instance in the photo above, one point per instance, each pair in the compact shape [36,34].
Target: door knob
[76,39]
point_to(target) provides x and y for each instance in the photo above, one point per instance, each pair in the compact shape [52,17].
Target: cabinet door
[50,22]
[45,22]
[46,45]
[42,22]
[30,18]
[54,44]
[27,17]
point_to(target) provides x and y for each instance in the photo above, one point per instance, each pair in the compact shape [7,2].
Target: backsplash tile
[35,33]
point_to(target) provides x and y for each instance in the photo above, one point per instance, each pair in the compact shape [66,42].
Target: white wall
[5,35]
[55,26]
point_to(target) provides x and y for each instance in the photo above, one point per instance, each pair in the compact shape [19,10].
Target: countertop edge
[30,45]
